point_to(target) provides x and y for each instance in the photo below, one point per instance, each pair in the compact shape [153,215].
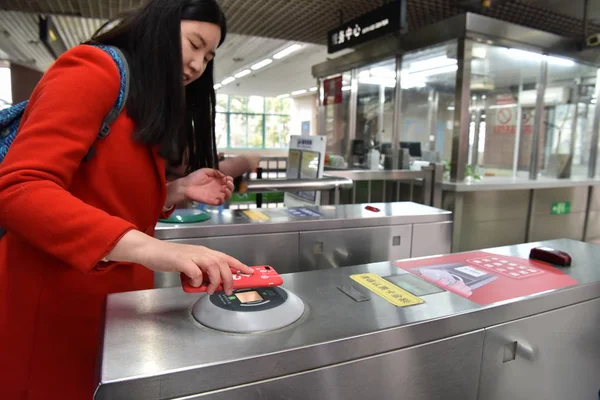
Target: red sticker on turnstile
[487,278]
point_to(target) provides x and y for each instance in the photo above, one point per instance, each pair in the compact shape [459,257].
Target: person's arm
[207,186]
[198,263]
[239,165]
[59,126]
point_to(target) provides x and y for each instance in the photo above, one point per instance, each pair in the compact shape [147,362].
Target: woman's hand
[207,186]
[198,263]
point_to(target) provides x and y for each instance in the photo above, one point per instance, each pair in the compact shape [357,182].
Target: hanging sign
[383,20]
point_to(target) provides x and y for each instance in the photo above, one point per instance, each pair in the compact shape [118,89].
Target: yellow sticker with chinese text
[255,215]
[386,289]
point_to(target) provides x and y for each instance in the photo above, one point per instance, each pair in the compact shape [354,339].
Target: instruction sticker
[256,215]
[383,288]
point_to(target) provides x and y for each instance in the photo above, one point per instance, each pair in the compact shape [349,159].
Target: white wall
[303,109]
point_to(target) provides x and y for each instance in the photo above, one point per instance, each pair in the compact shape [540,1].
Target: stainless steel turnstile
[310,238]
[544,346]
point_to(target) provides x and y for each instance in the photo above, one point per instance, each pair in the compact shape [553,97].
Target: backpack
[10,118]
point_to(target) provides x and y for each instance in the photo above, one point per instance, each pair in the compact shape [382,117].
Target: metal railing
[429,178]
[333,183]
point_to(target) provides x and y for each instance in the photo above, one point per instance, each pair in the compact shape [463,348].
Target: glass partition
[503,95]
[375,110]
[428,82]
[504,92]
[568,118]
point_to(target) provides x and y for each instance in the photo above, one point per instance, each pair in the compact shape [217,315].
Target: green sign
[561,208]
[269,197]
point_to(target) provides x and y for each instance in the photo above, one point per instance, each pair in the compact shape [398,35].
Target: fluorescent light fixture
[227,80]
[511,105]
[479,52]
[313,89]
[410,84]
[217,86]
[431,63]
[346,88]
[372,80]
[287,51]
[451,108]
[560,61]
[261,64]
[538,57]
[298,92]
[434,71]
[283,96]
[382,72]
[243,73]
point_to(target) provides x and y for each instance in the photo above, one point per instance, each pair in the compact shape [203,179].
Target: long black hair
[181,121]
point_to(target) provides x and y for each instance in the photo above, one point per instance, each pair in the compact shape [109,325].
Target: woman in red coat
[77,231]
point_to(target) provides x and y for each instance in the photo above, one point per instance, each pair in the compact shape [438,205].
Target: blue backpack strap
[9,124]
[121,61]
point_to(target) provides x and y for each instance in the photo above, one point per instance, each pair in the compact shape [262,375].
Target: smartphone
[263,276]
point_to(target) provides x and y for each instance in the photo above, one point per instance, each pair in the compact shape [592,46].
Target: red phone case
[264,276]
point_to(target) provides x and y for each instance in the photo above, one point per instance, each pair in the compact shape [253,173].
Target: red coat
[63,217]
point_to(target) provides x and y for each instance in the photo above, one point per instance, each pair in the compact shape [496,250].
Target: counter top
[309,218]
[518,183]
[152,344]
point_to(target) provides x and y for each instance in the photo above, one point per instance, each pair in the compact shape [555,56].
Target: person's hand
[198,263]
[207,186]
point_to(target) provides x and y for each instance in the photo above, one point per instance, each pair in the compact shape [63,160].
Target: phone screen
[248,297]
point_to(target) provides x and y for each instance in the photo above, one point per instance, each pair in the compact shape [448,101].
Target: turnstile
[311,238]
[541,346]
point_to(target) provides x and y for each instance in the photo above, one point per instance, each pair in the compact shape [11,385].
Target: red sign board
[332,91]
[487,278]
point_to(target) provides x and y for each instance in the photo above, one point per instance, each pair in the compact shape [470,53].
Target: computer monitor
[358,147]
[414,148]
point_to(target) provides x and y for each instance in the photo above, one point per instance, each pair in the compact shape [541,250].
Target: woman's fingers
[227,279]
[214,277]
[191,270]
[238,266]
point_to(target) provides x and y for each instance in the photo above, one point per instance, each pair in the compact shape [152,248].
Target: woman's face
[199,41]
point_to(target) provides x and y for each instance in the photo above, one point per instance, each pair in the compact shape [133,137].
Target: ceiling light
[261,64]
[382,72]
[431,63]
[372,80]
[217,86]
[298,92]
[283,96]
[287,52]
[313,89]
[479,52]
[243,73]
[411,84]
[346,88]
[434,71]
[560,61]
[538,57]
[227,80]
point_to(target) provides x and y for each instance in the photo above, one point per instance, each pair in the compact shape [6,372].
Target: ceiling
[260,28]
[301,20]
[571,8]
